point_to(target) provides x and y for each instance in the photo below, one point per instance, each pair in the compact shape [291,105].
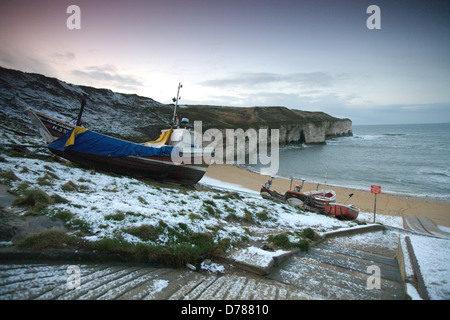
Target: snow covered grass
[110,205]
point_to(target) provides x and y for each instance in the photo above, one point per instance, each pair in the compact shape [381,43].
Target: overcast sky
[311,55]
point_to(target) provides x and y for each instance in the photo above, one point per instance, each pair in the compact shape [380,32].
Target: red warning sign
[375,189]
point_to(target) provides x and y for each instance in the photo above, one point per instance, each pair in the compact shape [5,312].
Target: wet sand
[387,204]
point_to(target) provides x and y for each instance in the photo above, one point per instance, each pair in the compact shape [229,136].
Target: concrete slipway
[340,267]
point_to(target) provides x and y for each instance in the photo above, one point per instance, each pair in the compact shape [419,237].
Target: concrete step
[357,264]
[330,282]
[235,287]
[388,258]
[138,282]
[336,270]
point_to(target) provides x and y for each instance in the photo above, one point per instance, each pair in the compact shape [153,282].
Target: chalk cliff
[295,126]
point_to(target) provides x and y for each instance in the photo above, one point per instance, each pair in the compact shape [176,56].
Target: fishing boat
[342,211]
[317,199]
[49,128]
[271,194]
[172,157]
[267,193]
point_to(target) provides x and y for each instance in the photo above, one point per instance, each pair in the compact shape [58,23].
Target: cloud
[67,56]
[108,74]
[251,79]
[11,58]
[303,89]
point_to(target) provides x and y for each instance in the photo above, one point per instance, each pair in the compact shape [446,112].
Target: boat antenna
[175,100]
[349,196]
[326,173]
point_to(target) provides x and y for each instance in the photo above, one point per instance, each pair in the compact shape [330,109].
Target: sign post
[376,190]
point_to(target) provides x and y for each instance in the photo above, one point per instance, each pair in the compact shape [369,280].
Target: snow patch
[256,256]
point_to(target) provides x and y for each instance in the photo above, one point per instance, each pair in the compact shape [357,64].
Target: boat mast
[83,104]
[176,103]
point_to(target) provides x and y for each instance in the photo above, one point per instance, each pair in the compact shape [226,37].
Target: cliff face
[315,132]
[140,119]
[320,127]
[295,126]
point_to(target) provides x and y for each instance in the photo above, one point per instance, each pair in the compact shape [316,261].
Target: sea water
[403,159]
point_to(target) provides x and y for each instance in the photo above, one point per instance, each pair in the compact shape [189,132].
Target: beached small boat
[342,211]
[316,199]
[172,157]
[93,150]
[266,193]
[49,128]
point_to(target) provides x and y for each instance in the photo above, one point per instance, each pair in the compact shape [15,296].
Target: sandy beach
[387,204]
